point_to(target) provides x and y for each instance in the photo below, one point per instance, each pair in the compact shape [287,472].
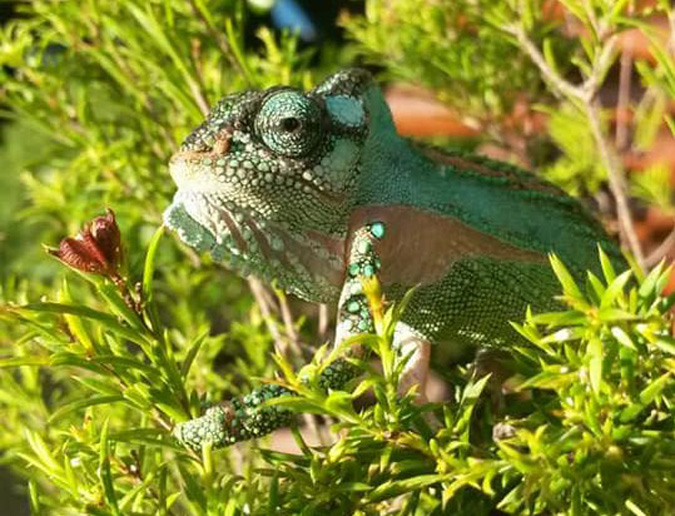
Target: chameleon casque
[315,190]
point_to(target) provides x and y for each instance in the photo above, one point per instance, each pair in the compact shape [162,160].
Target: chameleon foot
[238,420]
[241,419]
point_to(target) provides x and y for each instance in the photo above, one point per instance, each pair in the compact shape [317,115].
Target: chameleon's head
[279,158]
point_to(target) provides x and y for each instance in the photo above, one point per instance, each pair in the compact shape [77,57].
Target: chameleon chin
[316,190]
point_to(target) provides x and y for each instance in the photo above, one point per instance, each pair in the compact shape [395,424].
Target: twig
[671,26]
[324,319]
[592,19]
[625,76]
[586,97]
[657,254]
[258,291]
[314,429]
[617,183]
[604,59]
[195,50]
[287,318]
[199,96]
[561,85]
[221,41]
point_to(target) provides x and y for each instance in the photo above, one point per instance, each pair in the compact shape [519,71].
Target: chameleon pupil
[290,124]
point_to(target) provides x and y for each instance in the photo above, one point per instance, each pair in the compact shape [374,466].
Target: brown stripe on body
[517,181]
[421,247]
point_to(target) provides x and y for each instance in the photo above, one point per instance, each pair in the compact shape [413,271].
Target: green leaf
[120,307]
[618,8]
[297,404]
[193,487]
[615,315]
[665,344]
[75,323]
[623,338]
[595,284]
[615,289]
[595,363]
[192,353]
[391,489]
[630,412]
[109,322]
[555,380]
[42,452]
[76,405]
[470,396]
[653,390]
[273,498]
[104,471]
[649,285]
[34,498]
[528,331]
[549,54]
[24,361]
[353,487]
[124,364]
[634,508]
[149,266]
[566,318]
[671,124]
[606,265]
[570,288]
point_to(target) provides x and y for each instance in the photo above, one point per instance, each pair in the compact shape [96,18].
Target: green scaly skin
[299,188]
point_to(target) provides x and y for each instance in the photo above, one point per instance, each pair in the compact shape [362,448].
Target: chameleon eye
[289,124]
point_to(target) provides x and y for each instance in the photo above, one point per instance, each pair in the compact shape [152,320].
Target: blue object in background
[288,14]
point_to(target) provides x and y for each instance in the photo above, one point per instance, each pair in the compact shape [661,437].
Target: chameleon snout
[192,170]
[198,168]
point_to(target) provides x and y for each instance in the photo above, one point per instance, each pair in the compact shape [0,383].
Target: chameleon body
[316,189]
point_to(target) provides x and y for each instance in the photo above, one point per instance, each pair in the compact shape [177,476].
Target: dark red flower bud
[107,237]
[78,255]
[97,248]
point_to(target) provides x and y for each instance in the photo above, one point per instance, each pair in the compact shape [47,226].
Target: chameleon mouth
[192,171]
[194,168]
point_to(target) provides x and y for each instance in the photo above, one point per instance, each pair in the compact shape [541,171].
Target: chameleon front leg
[356,317]
[241,419]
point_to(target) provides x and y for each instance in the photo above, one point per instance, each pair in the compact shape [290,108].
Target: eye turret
[289,124]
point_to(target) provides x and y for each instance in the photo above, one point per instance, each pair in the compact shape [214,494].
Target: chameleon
[316,190]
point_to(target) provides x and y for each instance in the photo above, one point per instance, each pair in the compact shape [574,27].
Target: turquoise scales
[293,186]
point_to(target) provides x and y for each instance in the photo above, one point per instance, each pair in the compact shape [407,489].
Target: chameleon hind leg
[246,418]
